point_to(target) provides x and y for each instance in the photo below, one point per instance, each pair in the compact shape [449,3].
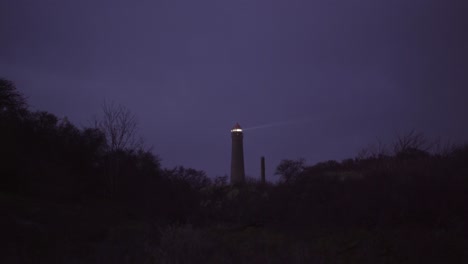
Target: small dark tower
[237,156]
[262,169]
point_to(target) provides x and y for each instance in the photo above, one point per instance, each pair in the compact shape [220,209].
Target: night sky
[343,73]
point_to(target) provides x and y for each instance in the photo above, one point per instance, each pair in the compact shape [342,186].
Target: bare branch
[411,141]
[119,126]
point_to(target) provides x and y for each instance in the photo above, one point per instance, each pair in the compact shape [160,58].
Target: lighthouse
[237,156]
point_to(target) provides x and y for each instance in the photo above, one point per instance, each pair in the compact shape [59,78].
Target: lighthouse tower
[237,156]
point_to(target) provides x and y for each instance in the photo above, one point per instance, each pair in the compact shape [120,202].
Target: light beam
[284,123]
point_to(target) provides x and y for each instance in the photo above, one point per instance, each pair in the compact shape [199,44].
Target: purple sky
[355,70]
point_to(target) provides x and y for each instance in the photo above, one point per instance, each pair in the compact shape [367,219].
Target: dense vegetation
[79,195]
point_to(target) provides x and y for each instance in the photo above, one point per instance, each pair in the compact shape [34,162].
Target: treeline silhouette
[47,157]
[69,195]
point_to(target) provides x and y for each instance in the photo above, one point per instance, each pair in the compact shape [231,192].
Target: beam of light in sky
[284,123]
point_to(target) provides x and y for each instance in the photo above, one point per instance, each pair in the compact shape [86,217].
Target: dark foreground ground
[34,231]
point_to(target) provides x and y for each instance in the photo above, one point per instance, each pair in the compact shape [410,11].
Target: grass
[36,231]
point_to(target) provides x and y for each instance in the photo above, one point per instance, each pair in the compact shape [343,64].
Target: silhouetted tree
[119,126]
[411,145]
[11,100]
[221,181]
[378,150]
[196,179]
[289,170]
[13,109]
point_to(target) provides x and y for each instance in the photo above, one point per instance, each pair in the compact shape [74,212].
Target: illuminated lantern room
[237,128]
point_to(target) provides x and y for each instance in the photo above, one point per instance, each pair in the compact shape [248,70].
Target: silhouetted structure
[262,167]
[237,156]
